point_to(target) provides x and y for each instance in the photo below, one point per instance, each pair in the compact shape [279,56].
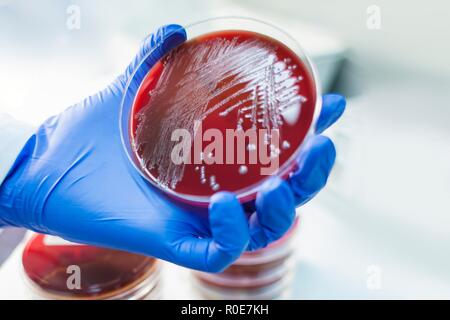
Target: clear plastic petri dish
[224,110]
[246,281]
[266,257]
[276,290]
[254,274]
[56,269]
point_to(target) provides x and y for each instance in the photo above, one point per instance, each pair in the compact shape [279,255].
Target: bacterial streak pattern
[240,79]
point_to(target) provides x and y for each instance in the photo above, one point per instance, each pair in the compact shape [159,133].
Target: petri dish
[48,263]
[224,110]
[262,274]
[276,290]
[246,280]
[268,256]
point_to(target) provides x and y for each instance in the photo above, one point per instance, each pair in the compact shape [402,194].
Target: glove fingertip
[229,226]
[275,205]
[153,48]
[222,197]
[333,106]
[218,260]
[173,35]
[314,167]
[225,212]
[316,148]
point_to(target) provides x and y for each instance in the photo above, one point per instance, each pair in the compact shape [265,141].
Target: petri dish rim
[143,285]
[248,193]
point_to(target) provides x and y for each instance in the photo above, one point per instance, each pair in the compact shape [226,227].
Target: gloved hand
[73,180]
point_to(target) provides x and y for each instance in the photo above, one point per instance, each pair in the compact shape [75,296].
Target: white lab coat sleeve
[13,136]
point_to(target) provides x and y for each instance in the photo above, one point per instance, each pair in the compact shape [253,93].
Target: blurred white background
[382,227]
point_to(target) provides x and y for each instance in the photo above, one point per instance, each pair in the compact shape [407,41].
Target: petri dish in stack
[223,110]
[61,270]
[262,274]
[276,290]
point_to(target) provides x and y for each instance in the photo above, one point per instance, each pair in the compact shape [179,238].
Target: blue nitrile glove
[73,180]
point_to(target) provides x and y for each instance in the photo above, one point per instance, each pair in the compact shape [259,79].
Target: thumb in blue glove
[73,180]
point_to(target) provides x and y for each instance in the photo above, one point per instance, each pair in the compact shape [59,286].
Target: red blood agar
[229,80]
[104,273]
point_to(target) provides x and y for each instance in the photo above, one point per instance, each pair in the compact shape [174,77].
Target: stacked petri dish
[57,269]
[262,274]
